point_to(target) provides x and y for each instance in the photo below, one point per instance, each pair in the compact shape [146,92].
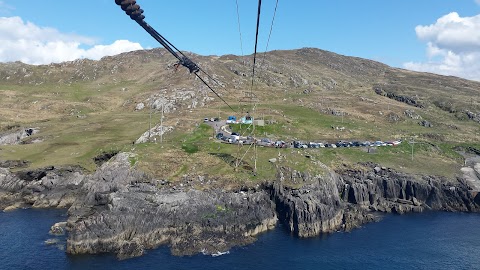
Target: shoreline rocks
[348,198]
[120,210]
[188,222]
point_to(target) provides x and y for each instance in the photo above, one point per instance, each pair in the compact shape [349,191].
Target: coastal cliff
[41,188]
[350,197]
[385,190]
[316,206]
[121,210]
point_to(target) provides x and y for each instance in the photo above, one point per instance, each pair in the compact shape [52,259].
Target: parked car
[365,143]
[280,144]
[313,145]
[299,144]
[265,142]
[379,143]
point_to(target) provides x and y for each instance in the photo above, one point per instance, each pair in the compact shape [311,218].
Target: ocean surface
[434,240]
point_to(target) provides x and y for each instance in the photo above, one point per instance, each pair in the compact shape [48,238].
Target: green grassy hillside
[85,108]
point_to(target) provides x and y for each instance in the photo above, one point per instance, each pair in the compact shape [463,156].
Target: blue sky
[440,36]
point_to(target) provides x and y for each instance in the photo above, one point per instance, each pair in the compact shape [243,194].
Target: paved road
[217,125]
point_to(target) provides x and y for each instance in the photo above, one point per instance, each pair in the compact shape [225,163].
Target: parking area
[225,135]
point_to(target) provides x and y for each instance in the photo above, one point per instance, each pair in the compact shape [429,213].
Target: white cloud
[31,44]
[453,33]
[453,46]
[477,1]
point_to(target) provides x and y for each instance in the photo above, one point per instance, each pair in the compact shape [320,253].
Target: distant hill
[83,108]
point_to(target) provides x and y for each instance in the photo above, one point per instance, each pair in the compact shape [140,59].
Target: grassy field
[74,140]
[81,119]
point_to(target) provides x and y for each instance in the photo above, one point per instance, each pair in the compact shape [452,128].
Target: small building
[259,123]
[247,119]
[231,119]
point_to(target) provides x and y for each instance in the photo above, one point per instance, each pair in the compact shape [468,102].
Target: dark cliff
[121,210]
[350,197]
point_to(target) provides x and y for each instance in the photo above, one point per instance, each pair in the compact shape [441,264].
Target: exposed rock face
[412,114]
[473,116]
[13,163]
[405,99]
[121,210]
[151,134]
[189,222]
[385,190]
[351,197]
[16,136]
[425,123]
[47,187]
[124,212]
[58,228]
[313,208]
[317,206]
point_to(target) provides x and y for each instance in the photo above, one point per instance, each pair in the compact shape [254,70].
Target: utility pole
[412,143]
[150,122]
[161,126]
[255,162]
[255,149]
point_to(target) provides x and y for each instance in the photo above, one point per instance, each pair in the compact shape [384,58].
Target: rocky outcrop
[121,210]
[316,206]
[385,190]
[313,208]
[412,114]
[16,136]
[125,212]
[11,164]
[473,116]
[351,197]
[189,222]
[412,101]
[41,188]
[153,133]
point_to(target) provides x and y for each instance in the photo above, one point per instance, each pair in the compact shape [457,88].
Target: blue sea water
[434,240]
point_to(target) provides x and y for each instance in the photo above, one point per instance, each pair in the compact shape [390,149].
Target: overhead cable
[239,29]
[256,40]
[133,10]
[269,34]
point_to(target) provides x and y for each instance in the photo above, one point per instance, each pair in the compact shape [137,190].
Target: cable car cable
[133,10]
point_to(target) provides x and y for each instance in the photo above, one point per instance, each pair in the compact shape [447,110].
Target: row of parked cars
[213,119]
[300,144]
[236,138]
